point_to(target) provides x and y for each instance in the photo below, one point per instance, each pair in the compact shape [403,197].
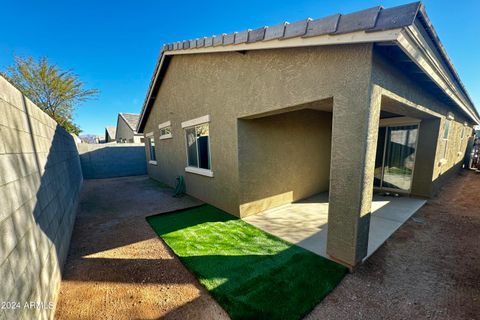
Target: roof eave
[322,40]
[412,43]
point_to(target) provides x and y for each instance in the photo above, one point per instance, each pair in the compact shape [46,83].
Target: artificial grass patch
[252,274]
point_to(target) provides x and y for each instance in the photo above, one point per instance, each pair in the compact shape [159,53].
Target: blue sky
[113,45]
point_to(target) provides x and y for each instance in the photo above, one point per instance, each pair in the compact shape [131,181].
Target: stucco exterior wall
[40,180]
[393,81]
[283,158]
[229,86]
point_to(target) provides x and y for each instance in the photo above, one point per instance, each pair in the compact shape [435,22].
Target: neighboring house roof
[131,119]
[406,27]
[111,131]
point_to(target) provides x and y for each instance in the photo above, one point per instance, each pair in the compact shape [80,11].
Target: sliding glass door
[395,158]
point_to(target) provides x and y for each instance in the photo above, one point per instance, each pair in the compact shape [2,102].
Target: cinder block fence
[101,161]
[40,180]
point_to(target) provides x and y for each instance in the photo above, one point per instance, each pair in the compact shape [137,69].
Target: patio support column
[354,142]
[428,134]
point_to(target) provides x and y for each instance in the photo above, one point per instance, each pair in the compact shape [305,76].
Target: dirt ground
[118,268]
[428,269]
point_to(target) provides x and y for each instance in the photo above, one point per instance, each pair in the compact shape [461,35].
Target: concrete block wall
[101,161]
[40,180]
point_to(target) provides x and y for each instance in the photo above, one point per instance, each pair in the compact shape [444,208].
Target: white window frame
[193,123]
[149,136]
[165,125]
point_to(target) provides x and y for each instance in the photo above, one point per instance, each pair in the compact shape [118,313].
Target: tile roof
[131,119]
[369,20]
[111,132]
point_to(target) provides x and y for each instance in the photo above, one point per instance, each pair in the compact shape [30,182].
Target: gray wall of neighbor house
[112,160]
[40,180]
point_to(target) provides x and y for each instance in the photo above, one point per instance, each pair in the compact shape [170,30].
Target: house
[110,133]
[127,128]
[350,104]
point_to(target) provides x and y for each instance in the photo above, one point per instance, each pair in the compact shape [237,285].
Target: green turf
[252,274]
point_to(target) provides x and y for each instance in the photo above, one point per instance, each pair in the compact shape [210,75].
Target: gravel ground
[118,268]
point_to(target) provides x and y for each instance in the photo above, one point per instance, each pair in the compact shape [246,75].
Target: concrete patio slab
[305,223]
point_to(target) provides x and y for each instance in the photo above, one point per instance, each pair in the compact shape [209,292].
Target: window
[151,149]
[461,145]
[197,137]
[165,130]
[446,131]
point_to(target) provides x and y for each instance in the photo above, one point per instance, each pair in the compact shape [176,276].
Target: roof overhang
[418,40]
[323,40]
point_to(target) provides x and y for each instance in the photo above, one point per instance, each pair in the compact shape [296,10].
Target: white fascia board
[164,124]
[196,121]
[150,88]
[411,43]
[326,39]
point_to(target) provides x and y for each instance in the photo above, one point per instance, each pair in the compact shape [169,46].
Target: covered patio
[305,223]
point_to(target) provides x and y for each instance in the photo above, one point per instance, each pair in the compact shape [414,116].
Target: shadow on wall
[43,180]
[109,161]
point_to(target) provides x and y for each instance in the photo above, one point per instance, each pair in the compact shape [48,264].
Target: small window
[165,130]
[446,130]
[198,146]
[166,133]
[151,147]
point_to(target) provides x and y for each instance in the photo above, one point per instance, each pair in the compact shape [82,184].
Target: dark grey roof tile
[241,37]
[275,32]
[296,29]
[218,40]
[229,38]
[209,41]
[359,20]
[396,17]
[200,42]
[256,35]
[321,26]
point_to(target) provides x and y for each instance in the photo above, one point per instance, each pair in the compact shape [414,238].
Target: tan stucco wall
[395,83]
[228,86]
[283,158]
